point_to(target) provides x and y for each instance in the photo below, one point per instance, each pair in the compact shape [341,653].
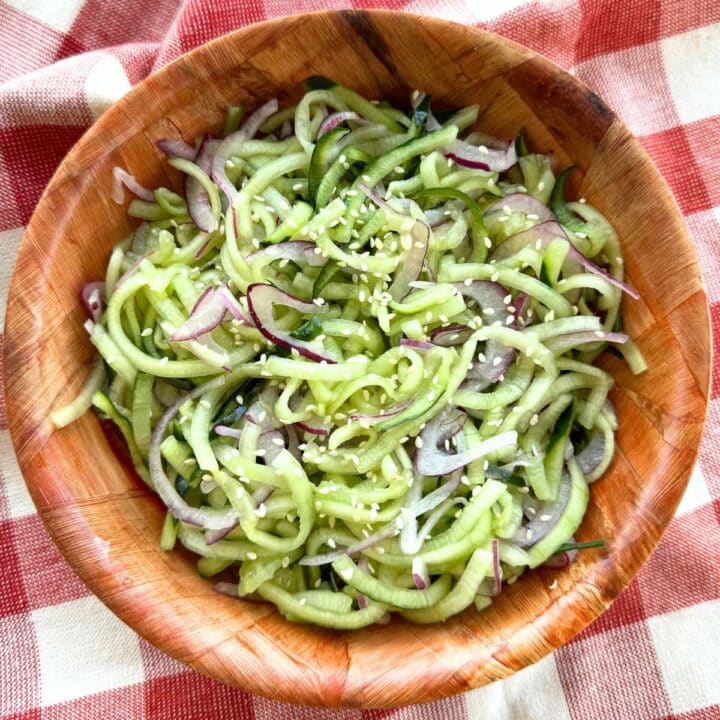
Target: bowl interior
[107,523]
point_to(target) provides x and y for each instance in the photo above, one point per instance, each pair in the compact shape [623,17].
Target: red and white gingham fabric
[656,652]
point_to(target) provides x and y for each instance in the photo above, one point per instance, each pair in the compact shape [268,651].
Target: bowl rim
[589,597]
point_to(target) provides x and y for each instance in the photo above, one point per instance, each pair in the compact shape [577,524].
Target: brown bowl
[106,522]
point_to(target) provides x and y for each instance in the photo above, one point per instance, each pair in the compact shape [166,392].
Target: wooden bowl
[106,522]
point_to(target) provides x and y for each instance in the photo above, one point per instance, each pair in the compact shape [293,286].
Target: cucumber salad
[355,356]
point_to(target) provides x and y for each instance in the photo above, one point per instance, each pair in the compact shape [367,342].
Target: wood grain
[106,523]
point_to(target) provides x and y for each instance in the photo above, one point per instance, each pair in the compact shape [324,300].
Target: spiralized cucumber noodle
[355,356]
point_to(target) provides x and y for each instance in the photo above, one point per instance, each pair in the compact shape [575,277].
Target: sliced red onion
[411,540]
[261,300]
[205,319]
[561,559]
[299,251]
[92,295]
[213,536]
[411,263]
[203,248]
[489,297]
[207,518]
[422,505]
[226,431]
[429,271]
[354,549]
[432,458]
[451,335]
[545,517]
[506,471]
[262,494]
[233,306]
[362,601]
[123,178]
[414,538]
[338,118]
[386,413]
[413,260]
[286,130]
[314,425]
[201,302]
[592,454]
[539,236]
[233,142]
[472,156]
[521,202]
[497,572]
[174,147]
[418,344]
[432,520]
[198,202]
[135,265]
[376,196]
[420,574]
[590,266]
[227,588]
[208,312]
[521,304]
[256,118]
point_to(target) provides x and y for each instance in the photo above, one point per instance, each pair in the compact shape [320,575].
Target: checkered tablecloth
[656,652]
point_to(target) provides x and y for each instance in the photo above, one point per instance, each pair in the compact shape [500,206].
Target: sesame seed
[553,585]
[252,555]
